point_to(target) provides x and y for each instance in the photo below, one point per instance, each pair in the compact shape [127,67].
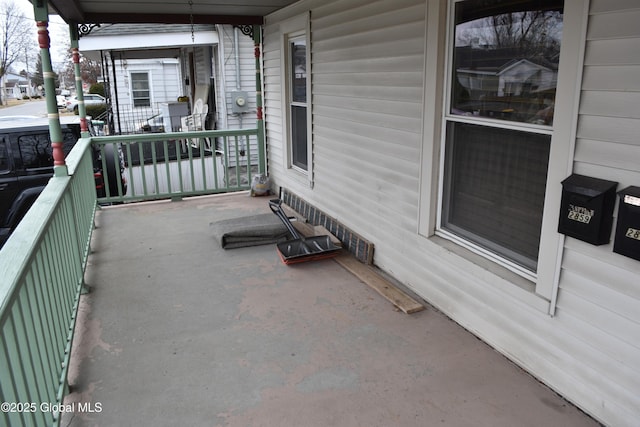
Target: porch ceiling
[166,11]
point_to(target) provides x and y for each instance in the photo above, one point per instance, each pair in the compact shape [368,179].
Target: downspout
[223,78]
[115,90]
[107,81]
[236,50]
[262,146]
[41,14]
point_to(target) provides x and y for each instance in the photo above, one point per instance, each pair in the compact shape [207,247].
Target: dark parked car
[26,165]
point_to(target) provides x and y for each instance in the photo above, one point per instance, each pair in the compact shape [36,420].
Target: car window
[35,148]
[4,156]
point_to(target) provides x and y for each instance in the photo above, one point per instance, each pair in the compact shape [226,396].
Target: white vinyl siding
[228,77]
[164,79]
[227,82]
[377,89]
[366,113]
[599,294]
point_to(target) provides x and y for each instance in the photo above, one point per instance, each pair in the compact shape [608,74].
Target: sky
[58,32]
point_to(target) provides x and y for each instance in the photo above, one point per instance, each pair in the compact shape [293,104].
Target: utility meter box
[586,210]
[627,240]
[239,102]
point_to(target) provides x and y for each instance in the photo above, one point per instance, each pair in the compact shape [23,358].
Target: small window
[140,89]
[297,78]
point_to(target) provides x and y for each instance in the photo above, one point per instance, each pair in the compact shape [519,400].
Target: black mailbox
[586,210]
[627,240]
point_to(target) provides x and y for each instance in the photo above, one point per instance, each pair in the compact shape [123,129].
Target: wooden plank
[319,230]
[309,230]
[292,214]
[385,288]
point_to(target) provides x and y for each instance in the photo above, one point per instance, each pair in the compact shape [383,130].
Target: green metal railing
[176,165]
[41,272]
[42,264]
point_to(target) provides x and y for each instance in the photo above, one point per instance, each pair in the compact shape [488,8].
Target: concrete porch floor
[179,332]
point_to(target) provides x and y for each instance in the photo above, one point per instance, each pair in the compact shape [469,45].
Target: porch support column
[75,54]
[262,146]
[41,14]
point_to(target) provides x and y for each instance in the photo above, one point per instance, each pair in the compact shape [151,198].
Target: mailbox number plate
[580,214]
[633,233]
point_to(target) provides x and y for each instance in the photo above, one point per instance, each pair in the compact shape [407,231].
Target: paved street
[25,108]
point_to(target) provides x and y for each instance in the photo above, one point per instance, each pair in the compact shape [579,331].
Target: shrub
[97,88]
[95,110]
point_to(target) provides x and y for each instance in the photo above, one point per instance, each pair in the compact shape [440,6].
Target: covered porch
[178,331]
[134,315]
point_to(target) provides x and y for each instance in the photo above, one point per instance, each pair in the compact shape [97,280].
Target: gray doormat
[252,230]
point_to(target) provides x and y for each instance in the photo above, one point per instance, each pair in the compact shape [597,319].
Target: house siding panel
[609,103]
[237,72]
[368,85]
[599,290]
[599,287]
[367,78]
[163,73]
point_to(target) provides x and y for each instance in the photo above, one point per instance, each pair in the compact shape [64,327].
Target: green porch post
[41,14]
[262,143]
[82,110]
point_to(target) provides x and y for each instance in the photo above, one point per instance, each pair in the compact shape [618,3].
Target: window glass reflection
[506,59]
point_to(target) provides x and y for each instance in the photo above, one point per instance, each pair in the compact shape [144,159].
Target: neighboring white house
[463,204]
[16,86]
[148,67]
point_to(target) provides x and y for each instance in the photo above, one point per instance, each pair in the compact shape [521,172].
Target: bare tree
[17,36]
[532,32]
[90,71]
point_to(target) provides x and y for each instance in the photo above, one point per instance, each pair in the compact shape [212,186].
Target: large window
[297,100]
[140,89]
[504,58]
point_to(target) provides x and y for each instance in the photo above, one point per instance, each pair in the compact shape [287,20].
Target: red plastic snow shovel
[301,249]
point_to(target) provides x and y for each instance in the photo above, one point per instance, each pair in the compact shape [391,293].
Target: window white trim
[131,90]
[291,29]
[576,15]
[563,131]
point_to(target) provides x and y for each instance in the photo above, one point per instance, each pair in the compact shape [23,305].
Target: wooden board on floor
[308,230]
[385,288]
